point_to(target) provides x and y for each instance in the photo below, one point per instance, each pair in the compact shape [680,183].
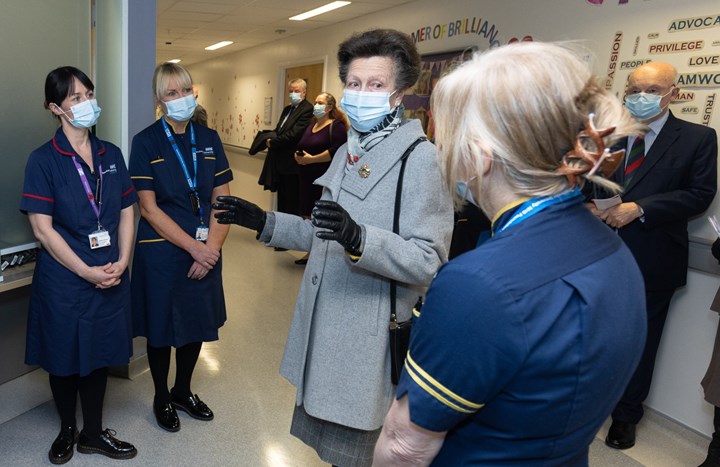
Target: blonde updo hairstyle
[523,105]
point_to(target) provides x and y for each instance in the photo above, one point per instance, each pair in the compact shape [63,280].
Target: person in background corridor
[669,176]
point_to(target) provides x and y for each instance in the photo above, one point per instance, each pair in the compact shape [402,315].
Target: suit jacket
[282,146]
[677,181]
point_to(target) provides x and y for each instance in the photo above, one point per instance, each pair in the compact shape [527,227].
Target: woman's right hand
[204,255]
[234,210]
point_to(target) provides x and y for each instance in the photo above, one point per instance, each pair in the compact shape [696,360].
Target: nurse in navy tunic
[178,168]
[78,197]
[524,344]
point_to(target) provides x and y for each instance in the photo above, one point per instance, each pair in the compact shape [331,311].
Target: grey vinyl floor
[238,378]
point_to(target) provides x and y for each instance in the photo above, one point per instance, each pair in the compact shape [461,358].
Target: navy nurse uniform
[73,327]
[169,308]
[525,344]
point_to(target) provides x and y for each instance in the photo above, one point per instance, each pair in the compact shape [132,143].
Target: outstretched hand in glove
[341,227]
[234,210]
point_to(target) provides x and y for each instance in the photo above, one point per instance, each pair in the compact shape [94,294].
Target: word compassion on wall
[684,42]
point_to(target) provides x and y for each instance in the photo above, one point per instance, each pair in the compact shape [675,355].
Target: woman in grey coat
[337,352]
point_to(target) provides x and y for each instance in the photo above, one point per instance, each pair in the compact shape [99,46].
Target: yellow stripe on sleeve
[152,240]
[136,177]
[442,388]
[434,393]
[157,160]
[209,158]
[222,171]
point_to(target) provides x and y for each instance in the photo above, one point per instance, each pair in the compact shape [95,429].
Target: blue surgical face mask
[463,191]
[181,109]
[644,106]
[366,110]
[295,98]
[85,114]
[319,110]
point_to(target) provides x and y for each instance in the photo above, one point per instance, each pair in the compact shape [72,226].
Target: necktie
[636,158]
[287,116]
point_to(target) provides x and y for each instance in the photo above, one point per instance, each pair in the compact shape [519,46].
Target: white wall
[37,37]
[125,60]
[233,87]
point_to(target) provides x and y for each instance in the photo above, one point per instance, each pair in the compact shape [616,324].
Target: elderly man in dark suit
[669,177]
[280,171]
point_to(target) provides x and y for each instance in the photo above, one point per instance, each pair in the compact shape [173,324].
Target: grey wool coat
[337,351]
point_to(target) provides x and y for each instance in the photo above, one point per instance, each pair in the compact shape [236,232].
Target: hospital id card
[99,239]
[201,233]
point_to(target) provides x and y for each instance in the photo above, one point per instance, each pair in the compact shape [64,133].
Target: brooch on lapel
[364,171]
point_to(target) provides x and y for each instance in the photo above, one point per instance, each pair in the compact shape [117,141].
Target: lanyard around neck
[536,205]
[88,191]
[192,182]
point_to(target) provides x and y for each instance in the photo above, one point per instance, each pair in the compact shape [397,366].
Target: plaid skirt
[335,444]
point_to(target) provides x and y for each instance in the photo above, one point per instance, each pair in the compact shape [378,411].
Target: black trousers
[288,193]
[630,408]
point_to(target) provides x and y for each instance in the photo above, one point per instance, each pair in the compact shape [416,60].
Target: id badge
[99,239]
[201,233]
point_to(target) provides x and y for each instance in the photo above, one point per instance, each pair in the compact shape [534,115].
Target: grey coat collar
[379,161]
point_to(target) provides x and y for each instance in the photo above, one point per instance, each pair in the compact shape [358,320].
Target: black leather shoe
[167,417]
[713,458]
[194,407]
[301,261]
[106,444]
[63,447]
[277,248]
[621,435]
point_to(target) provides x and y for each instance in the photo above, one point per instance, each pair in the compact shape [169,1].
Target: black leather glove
[330,215]
[236,210]
[716,249]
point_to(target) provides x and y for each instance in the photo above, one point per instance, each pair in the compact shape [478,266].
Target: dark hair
[60,83]
[336,113]
[382,43]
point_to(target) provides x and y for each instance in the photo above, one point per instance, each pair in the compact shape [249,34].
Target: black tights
[159,361]
[65,390]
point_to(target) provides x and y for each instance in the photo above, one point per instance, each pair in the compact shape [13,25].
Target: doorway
[313,76]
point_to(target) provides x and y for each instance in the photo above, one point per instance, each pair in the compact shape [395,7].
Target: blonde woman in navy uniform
[78,198]
[178,168]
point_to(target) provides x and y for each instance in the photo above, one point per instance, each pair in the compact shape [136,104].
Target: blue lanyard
[533,206]
[192,182]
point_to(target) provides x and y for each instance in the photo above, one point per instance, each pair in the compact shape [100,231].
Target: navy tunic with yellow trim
[169,308]
[74,327]
[526,343]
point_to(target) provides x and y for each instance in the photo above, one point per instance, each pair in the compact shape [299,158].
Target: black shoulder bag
[399,331]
